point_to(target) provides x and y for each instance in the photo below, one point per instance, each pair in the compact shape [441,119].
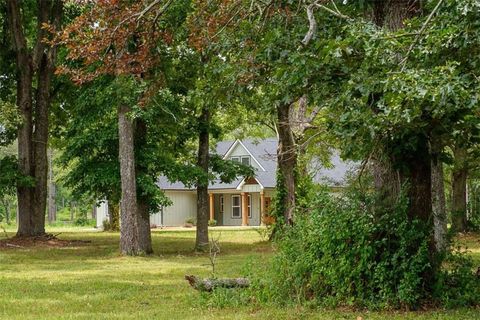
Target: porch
[239,207]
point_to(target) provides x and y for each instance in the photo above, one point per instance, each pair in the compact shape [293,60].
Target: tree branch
[403,63]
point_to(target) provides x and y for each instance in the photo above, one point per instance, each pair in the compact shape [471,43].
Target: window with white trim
[221,204]
[249,206]
[236,207]
[235,159]
[246,160]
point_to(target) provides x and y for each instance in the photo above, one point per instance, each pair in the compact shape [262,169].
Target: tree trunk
[114,215]
[143,209]
[438,201]
[52,191]
[287,162]
[144,232]
[33,133]
[203,205]
[397,11]
[459,190]
[389,14]
[129,242]
[418,174]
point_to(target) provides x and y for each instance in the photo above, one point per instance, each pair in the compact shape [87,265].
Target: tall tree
[35,66]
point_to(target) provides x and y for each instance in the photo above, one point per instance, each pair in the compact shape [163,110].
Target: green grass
[93,282]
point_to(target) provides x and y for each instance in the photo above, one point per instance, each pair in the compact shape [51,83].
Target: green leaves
[11,177]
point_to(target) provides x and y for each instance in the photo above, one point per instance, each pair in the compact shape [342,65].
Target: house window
[246,160]
[235,159]
[236,208]
[221,204]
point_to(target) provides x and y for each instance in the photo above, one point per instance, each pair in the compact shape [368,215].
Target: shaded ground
[46,241]
[91,281]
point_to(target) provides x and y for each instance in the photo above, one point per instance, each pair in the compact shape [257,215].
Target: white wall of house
[102,213]
[184,206]
[229,220]
[239,151]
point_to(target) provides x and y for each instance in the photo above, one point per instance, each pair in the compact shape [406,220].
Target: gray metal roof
[265,152]
[335,175]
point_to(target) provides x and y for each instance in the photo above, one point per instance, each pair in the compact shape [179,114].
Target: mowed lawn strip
[91,281]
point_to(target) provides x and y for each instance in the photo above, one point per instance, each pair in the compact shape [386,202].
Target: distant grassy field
[91,281]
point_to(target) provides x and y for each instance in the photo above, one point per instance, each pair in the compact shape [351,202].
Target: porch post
[212,206]
[262,206]
[244,209]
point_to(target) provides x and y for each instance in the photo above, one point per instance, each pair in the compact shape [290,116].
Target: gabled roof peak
[239,142]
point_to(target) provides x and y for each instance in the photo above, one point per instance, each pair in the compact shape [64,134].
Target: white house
[245,200]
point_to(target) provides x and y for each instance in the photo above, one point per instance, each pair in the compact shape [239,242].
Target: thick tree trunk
[144,232]
[52,191]
[287,161]
[129,242]
[459,190]
[389,14]
[203,205]
[418,174]
[438,202]
[397,11]
[40,145]
[32,150]
[143,210]
[25,150]
[386,179]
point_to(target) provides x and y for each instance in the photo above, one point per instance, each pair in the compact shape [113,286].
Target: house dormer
[238,152]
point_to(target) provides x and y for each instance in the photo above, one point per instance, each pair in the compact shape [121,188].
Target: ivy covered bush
[349,251]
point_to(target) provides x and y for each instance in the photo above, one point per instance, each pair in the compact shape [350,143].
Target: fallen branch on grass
[13,245]
[209,285]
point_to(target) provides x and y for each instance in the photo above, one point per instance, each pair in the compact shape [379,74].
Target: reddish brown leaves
[111,38]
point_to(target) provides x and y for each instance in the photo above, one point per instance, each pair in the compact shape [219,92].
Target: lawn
[91,281]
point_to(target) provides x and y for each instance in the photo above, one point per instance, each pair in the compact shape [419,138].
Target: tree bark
[52,191]
[143,210]
[144,232]
[418,173]
[287,161]
[129,242]
[459,190]
[203,205]
[389,14]
[33,133]
[438,201]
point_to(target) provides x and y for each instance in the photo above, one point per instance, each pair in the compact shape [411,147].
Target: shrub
[190,222]
[212,223]
[83,221]
[350,251]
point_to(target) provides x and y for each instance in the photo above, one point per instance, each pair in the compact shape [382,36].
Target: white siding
[228,220]
[239,151]
[184,206]
[102,213]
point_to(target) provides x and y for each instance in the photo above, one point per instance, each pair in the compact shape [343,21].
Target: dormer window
[245,160]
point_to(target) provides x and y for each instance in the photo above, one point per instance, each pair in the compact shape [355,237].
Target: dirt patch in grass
[45,241]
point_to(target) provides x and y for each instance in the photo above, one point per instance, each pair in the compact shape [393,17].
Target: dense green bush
[84,221]
[350,251]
